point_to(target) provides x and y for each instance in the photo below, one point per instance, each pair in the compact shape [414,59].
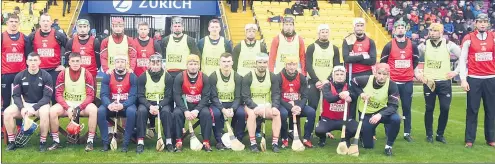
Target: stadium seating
[237,21]
[27,21]
[56,13]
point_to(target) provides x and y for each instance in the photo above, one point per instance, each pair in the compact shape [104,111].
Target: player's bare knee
[44,111]
[10,112]
[250,113]
[275,113]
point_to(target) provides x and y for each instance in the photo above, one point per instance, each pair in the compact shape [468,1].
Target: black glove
[75,114]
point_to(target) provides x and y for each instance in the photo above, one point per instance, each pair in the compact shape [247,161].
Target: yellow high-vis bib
[247,57]
[211,55]
[117,49]
[75,91]
[323,61]
[285,49]
[177,53]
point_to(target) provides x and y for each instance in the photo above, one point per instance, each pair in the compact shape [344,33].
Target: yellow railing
[372,27]
[224,20]
[80,3]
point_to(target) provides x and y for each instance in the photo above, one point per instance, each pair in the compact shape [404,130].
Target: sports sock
[178,140]
[91,135]
[140,141]
[168,141]
[275,141]
[406,134]
[11,137]
[252,140]
[386,146]
[42,139]
[55,137]
[206,141]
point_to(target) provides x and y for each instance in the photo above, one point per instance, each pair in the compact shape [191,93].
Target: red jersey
[88,57]
[121,88]
[360,48]
[13,60]
[143,54]
[290,89]
[48,49]
[334,111]
[192,91]
[401,62]
[480,56]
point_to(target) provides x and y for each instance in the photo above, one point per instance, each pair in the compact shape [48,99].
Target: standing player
[117,44]
[286,44]
[33,89]
[145,47]
[74,94]
[479,79]
[259,88]
[321,57]
[436,52]
[177,46]
[119,84]
[48,43]
[212,46]
[154,83]
[294,95]
[15,47]
[194,85]
[225,97]
[359,52]
[87,46]
[402,56]
[335,95]
[244,52]
[382,95]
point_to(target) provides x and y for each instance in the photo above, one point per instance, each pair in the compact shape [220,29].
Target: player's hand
[291,103]
[24,112]
[109,71]
[296,110]
[325,82]
[130,70]
[70,112]
[111,106]
[421,78]
[259,110]
[154,110]
[60,68]
[319,85]
[465,85]
[366,56]
[30,111]
[118,106]
[228,112]
[188,115]
[348,99]
[451,74]
[344,95]
[365,96]
[194,114]
[375,119]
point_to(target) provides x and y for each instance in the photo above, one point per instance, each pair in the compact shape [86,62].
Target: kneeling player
[383,99]
[259,89]
[335,95]
[74,94]
[118,97]
[226,97]
[32,93]
[195,87]
[154,85]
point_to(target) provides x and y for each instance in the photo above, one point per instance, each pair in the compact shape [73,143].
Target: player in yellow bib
[212,46]
[74,95]
[436,75]
[117,44]
[321,57]
[244,53]
[286,44]
[154,85]
[261,96]
[226,100]
[383,99]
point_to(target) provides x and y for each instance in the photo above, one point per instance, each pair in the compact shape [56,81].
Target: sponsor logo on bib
[402,63]
[46,52]
[142,62]
[85,60]
[322,63]
[14,57]
[212,61]
[434,64]
[174,58]
[483,56]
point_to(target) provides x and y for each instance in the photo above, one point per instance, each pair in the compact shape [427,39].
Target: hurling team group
[179,80]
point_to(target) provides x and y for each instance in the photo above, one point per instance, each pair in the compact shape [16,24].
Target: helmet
[399,23]
[250,26]
[27,129]
[176,20]
[482,17]
[117,20]
[358,21]
[73,129]
[82,22]
[262,56]
[288,19]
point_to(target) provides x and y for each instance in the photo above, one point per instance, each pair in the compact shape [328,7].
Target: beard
[359,34]
[324,40]
[120,71]
[118,34]
[261,70]
[288,33]
[192,73]
[400,35]
[177,32]
[250,39]
[83,35]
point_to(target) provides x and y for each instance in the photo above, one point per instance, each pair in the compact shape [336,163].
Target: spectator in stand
[312,4]
[383,14]
[468,13]
[414,17]
[297,9]
[476,10]
[315,12]
[443,11]
[448,27]
[423,33]
[429,16]
[55,24]
[395,10]
[459,28]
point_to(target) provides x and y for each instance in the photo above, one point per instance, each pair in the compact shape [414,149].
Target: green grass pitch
[417,151]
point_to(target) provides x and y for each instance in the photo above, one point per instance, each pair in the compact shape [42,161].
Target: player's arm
[214,91]
[393,100]
[178,92]
[17,90]
[275,89]
[328,95]
[372,53]
[415,55]
[237,91]
[164,44]
[132,53]
[28,45]
[228,46]
[191,43]
[346,50]
[90,89]
[456,50]
[246,91]
[200,45]
[30,37]
[157,48]
[386,53]
[235,56]
[169,82]
[309,62]
[304,92]
[358,83]
[104,55]
[141,91]
[272,57]
[96,48]
[68,50]
[47,91]
[466,43]
[62,42]
[302,55]
[59,90]
[131,99]
[105,90]
[336,56]
[205,94]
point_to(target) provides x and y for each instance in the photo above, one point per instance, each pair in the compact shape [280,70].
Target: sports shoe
[468,145]
[254,148]
[54,146]
[89,146]
[178,147]
[140,148]
[106,147]
[207,147]
[321,144]
[408,138]
[220,146]
[42,146]
[441,139]
[124,149]
[169,147]
[388,151]
[275,148]
[308,144]
[10,146]
[429,139]
[285,143]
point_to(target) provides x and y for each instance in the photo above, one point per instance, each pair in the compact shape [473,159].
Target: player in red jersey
[117,44]
[479,79]
[403,57]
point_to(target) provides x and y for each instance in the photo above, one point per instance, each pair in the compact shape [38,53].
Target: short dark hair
[225,55]
[74,54]
[12,16]
[33,54]
[214,20]
[143,24]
